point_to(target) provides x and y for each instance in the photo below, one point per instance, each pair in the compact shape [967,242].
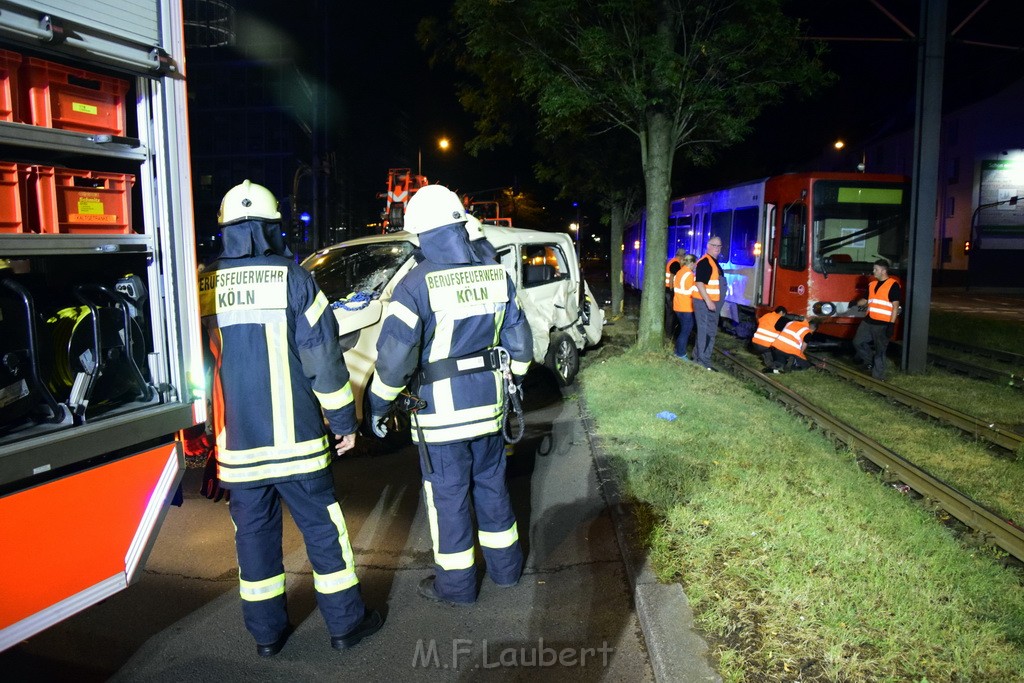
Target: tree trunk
[618,223]
[657,152]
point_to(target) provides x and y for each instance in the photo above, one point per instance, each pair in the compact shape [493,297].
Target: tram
[806,241]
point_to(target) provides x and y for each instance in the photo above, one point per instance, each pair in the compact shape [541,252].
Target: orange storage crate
[71,201]
[9,62]
[11,211]
[56,96]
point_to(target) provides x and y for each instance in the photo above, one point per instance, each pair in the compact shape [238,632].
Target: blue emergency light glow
[304,217]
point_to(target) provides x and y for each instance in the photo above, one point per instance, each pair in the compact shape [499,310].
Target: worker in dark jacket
[278,372]
[440,338]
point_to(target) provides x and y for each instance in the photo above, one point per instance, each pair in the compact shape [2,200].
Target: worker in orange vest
[682,303]
[671,268]
[710,286]
[876,329]
[789,347]
[768,327]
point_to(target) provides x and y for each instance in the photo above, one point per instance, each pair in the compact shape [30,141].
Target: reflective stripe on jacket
[714,283]
[791,339]
[668,270]
[683,288]
[766,332]
[278,370]
[879,306]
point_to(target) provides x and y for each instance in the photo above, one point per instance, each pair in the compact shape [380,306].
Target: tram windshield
[855,223]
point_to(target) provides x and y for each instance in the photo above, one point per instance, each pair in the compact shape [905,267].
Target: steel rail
[970,369]
[975,426]
[984,521]
[996,354]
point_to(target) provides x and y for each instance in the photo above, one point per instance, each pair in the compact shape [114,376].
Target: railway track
[970,424]
[986,523]
[1013,378]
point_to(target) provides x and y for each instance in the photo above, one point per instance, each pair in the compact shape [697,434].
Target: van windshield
[358,269]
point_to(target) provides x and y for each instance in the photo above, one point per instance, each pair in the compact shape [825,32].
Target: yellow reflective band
[428,498]
[254,591]
[519,367]
[403,313]
[280,382]
[456,417]
[347,576]
[460,432]
[334,582]
[252,456]
[267,472]
[459,560]
[316,309]
[379,388]
[336,399]
[500,539]
[453,561]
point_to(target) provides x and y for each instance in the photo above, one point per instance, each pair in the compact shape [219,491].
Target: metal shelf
[37,137]
[50,245]
[50,451]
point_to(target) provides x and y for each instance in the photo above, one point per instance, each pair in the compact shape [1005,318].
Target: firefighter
[278,372]
[440,338]
[768,327]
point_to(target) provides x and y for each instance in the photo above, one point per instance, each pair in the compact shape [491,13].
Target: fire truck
[402,185]
[100,362]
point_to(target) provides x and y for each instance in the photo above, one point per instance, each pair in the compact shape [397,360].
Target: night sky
[390,104]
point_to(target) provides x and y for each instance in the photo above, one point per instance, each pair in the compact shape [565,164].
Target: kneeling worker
[769,326]
[441,336]
[789,347]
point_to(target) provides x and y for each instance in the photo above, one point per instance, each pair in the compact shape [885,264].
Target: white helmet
[248,201]
[431,207]
[475,228]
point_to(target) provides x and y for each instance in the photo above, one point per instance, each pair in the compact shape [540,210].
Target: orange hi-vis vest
[668,270]
[791,339]
[766,332]
[683,288]
[879,306]
[714,284]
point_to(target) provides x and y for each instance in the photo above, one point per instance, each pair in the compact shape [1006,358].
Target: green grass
[988,333]
[799,565]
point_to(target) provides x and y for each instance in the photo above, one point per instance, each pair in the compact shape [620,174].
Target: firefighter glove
[211,482]
[379,425]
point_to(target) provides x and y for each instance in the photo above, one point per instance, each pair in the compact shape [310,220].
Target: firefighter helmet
[248,201]
[432,207]
[474,227]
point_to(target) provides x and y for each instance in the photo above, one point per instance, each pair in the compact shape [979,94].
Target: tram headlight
[824,308]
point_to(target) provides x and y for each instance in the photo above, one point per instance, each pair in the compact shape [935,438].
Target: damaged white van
[359,276]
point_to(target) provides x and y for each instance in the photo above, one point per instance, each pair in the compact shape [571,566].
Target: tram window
[793,243]
[721,226]
[744,234]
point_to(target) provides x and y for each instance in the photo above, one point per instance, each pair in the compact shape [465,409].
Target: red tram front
[805,241]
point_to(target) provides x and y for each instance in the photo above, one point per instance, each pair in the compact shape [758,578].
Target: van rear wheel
[563,358]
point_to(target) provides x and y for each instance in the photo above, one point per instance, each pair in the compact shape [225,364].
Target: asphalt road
[570,618]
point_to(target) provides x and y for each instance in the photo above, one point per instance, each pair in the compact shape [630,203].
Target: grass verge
[798,565]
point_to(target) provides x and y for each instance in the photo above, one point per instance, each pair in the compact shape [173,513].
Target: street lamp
[443,144]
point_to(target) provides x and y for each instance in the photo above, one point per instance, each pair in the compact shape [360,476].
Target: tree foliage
[681,76]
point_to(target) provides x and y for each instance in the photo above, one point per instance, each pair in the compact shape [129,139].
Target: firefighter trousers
[464,471]
[256,513]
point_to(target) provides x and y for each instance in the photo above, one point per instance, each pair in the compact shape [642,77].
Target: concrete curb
[678,653]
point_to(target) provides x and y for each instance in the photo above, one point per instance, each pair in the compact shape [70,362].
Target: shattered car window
[346,272]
